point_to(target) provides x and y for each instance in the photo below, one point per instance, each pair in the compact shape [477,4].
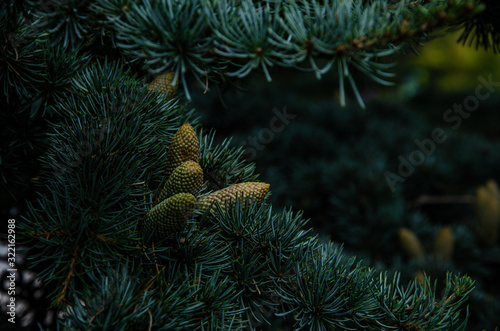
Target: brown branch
[12,68]
[257,287]
[442,200]
[150,320]
[47,234]
[93,317]
[206,84]
[109,241]
[367,43]
[71,274]
[411,4]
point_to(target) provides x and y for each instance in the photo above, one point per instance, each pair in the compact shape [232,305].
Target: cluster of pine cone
[487,203]
[179,197]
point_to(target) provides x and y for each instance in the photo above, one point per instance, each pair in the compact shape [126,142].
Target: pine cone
[169,216]
[248,190]
[444,243]
[186,178]
[419,276]
[487,210]
[184,147]
[410,244]
[164,85]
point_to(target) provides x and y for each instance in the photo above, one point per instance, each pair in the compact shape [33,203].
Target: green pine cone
[169,216]
[248,190]
[410,244]
[164,84]
[184,147]
[444,243]
[186,178]
[487,211]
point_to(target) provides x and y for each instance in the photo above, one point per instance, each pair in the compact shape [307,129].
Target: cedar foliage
[86,142]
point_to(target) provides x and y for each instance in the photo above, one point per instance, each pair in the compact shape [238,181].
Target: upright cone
[419,276]
[184,147]
[487,211]
[410,244]
[164,84]
[444,244]
[186,178]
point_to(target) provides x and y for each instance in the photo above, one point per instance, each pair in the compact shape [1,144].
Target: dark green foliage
[86,144]
[483,29]
[21,57]
[111,142]
[258,258]
[331,163]
[171,34]
[268,251]
[207,39]
[71,23]
[222,164]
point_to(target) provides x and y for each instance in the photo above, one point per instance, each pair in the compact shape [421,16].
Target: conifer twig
[150,320]
[62,296]
[442,200]
[47,234]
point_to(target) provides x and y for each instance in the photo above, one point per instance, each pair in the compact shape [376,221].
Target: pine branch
[238,263]
[71,274]
[206,38]
[482,29]
[242,37]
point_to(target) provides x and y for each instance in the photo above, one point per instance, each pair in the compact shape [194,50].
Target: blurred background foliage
[330,161]
[448,66]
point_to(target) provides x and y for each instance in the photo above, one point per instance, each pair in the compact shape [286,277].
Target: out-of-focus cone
[164,84]
[410,244]
[444,244]
[419,276]
[487,211]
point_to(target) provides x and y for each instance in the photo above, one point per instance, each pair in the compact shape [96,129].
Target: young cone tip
[164,84]
[492,188]
[246,191]
[486,206]
[420,276]
[186,178]
[410,244]
[444,243]
[185,146]
[487,211]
